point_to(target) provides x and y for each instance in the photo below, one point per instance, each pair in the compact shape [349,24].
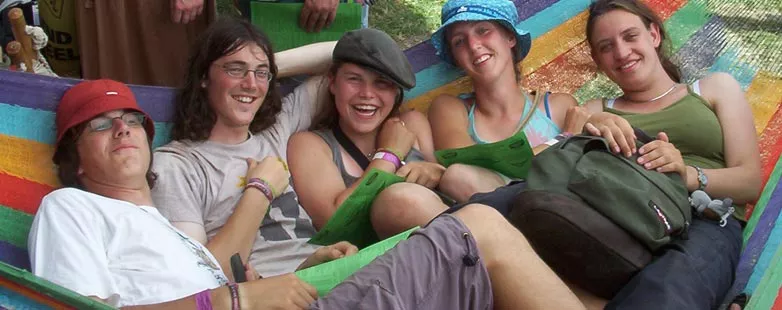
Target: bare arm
[448,118]
[560,104]
[237,235]
[419,125]
[317,179]
[240,230]
[311,59]
[741,179]
[221,300]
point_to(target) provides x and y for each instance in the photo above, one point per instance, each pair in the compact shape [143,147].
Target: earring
[203,84]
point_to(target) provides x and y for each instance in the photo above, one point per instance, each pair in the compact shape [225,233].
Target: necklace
[656,98]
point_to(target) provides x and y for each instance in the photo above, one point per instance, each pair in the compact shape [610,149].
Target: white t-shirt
[117,251]
[201,183]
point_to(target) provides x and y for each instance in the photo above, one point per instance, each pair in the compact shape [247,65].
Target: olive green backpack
[596,218]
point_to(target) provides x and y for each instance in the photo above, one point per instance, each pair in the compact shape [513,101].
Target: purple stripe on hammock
[757,242]
[14,256]
[44,93]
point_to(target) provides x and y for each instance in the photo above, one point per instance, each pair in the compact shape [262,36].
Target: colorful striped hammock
[736,36]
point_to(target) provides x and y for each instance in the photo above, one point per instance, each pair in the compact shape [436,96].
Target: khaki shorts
[437,267]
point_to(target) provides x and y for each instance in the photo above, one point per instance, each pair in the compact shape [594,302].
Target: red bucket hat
[88,99]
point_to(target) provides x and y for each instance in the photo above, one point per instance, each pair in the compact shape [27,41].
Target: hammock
[734,36]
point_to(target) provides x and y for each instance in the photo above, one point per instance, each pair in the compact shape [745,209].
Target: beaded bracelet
[234,296]
[263,186]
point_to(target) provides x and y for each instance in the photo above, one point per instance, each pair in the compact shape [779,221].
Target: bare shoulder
[306,140]
[414,119]
[721,88]
[446,106]
[561,102]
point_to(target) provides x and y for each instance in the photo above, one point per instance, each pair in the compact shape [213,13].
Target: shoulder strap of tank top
[539,96]
[351,148]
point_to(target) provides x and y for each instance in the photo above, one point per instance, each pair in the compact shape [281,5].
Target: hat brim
[523,38]
[98,106]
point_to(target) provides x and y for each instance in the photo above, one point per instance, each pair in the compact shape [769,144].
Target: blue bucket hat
[502,11]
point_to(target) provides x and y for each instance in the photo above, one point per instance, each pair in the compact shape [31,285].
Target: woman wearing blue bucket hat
[481,38]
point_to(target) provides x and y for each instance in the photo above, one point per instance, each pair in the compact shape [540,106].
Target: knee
[492,232]
[459,181]
[404,205]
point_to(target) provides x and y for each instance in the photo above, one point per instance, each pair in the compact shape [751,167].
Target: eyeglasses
[132,119]
[241,72]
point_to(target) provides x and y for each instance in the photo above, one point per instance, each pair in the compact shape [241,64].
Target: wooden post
[16,17]
[14,50]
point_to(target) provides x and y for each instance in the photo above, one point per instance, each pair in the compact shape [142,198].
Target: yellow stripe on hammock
[27,159]
[764,95]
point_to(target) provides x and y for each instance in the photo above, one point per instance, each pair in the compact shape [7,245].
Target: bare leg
[462,181]
[402,206]
[519,278]
[591,301]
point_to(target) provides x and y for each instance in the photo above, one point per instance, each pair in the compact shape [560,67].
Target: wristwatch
[702,179]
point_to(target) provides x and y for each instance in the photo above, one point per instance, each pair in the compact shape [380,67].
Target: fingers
[626,144]
[345,248]
[250,273]
[403,171]
[176,13]
[322,21]
[306,14]
[662,136]
[305,295]
[592,130]
[413,176]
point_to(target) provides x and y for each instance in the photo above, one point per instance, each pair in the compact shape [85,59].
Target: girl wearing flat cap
[363,129]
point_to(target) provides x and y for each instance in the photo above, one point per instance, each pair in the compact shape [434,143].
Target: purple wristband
[388,156]
[234,296]
[204,300]
[262,188]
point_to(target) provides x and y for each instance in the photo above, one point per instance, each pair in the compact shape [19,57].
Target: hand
[185,11]
[329,253]
[317,14]
[422,173]
[280,292]
[396,137]
[273,170]
[615,129]
[575,119]
[250,273]
[662,156]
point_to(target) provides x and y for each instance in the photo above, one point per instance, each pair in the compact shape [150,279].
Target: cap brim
[93,109]
[523,38]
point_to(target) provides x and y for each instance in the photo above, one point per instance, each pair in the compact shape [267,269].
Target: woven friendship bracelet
[262,186]
[235,305]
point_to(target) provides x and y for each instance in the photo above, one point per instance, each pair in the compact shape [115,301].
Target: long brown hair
[328,116]
[600,7]
[193,116]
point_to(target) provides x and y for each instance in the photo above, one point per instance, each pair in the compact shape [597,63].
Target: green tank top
[692,126]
